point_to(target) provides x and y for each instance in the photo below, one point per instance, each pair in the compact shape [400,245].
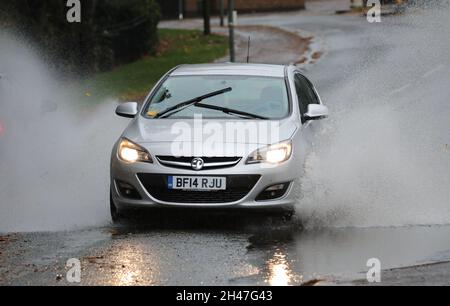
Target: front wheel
[116,216]
[288,214]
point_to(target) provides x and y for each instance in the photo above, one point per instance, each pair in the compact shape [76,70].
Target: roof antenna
[248,50]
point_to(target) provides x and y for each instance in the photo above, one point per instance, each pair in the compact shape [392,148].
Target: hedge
[111,32]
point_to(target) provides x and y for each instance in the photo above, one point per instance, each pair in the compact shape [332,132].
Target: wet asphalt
[203,249]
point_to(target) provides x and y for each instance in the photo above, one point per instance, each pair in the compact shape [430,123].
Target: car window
[263,96]
[305,93]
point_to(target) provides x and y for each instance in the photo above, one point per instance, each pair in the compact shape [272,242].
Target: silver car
[216,136]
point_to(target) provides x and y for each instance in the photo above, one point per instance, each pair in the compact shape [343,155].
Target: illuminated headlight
[131,152]
[274,154]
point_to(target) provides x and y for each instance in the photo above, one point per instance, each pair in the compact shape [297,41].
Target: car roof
[231,69]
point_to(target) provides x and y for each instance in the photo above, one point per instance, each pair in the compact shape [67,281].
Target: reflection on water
[278,257]
[132,266]
[280,273]
[304,257]
[126,278]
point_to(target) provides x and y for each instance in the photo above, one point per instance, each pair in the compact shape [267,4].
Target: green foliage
[112,32]
[133,81]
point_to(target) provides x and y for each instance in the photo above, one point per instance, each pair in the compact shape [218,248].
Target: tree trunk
[207,17]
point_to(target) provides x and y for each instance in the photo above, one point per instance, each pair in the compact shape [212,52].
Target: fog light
[127,191]
[273,192]
[276,187]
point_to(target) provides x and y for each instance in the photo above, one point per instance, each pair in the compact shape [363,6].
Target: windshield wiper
[230,111]
[180,106]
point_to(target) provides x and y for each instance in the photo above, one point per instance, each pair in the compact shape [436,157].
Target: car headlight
[131,152]
[274,154]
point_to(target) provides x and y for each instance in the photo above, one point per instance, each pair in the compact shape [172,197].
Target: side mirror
[127,110]
[317,112]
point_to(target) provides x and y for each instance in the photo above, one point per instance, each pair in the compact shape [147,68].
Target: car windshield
[262,96]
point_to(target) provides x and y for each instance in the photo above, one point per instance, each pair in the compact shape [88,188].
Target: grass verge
[131,82]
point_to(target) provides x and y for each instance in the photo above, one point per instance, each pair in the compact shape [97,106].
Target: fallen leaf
[113,232]
[152,113]
[4,238]
[311,282]
[93,259]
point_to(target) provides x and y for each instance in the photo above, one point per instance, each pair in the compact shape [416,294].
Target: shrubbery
[112,32]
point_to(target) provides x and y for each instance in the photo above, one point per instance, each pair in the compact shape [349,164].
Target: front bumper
[250,181]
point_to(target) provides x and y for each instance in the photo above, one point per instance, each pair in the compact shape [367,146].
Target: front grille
[210,163]
[238,186]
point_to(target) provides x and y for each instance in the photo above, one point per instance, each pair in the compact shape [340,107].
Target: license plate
[198,183]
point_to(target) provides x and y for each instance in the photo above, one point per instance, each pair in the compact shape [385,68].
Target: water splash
[385,160]
[53,153]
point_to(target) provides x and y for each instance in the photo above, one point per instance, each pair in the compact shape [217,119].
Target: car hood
[258,132]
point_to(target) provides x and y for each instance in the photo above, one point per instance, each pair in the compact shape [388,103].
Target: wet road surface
[222,250]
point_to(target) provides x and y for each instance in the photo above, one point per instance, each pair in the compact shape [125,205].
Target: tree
[112,32]
[207,17]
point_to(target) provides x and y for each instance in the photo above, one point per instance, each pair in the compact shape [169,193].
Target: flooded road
[219,250]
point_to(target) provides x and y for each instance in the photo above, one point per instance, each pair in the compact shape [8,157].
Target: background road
[390,207]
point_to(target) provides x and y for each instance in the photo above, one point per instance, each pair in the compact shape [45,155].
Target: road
[392,205]
[243,250]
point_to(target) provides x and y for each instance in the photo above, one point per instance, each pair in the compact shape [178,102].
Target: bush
[112,32]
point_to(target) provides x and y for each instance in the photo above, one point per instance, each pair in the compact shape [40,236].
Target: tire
[116,216]
[288,214]
[285,215]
